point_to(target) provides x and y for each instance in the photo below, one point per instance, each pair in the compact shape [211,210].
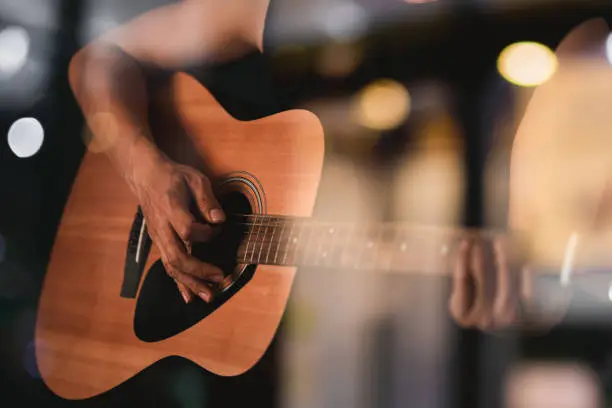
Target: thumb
[205,199]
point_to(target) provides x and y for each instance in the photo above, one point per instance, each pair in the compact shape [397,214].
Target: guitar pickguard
[161,312]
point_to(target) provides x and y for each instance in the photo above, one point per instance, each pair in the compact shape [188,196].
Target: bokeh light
[25,137]
[382,105]
[345,20]
[569,385]
[527,63]
[339,60]
[14,49]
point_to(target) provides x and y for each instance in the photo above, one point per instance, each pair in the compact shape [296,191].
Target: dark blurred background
[444,52]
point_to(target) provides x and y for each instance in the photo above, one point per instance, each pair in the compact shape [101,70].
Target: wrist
[139,161]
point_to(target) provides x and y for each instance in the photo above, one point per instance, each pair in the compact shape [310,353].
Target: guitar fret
[347,245]
[378,245]
[261,227]
[401,248]
[391,253]
[395,249]
[298,244]
[279,242]
[288,244]
[353,247]
[333,233]
[252,253]
[265,244]
[363,243]
[318,253]
[246,250]
[254,241]
[371,247]
[306,247]
[273,228]
[346,256]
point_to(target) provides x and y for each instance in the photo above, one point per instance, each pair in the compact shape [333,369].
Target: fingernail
[218,278]
[185,297]
[204,296]
[217,215]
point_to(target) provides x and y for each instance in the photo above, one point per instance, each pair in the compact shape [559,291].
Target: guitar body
[87,339]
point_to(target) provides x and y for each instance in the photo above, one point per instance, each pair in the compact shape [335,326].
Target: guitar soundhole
[160,310]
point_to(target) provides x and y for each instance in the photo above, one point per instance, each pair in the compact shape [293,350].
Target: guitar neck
[273,240]
[402,248]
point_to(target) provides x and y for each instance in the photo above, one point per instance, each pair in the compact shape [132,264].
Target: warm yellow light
[527,63]
[339,60]
[382,105]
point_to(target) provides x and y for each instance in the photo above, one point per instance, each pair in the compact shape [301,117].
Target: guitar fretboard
[304,242]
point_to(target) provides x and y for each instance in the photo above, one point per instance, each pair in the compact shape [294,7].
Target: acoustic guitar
[108,310]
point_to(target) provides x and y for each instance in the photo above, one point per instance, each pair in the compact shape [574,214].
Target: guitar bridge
[139,245]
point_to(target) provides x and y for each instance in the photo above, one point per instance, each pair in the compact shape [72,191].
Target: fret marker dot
[369,245]
[294,240]
[324,254]
[331,230]
[444,250]
[403,247]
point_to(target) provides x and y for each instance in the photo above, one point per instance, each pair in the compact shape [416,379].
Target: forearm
[111,91]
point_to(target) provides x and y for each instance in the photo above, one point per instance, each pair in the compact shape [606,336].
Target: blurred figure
[560,161]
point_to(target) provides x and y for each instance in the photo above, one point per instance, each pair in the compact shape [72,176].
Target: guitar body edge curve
[84,336]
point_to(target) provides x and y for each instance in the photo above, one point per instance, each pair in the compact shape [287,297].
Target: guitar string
[272,221]
[283,243]
[368,237]
[374,230]
[276,218]
[408,228]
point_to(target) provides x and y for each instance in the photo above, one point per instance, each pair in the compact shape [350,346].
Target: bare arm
[109,85]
